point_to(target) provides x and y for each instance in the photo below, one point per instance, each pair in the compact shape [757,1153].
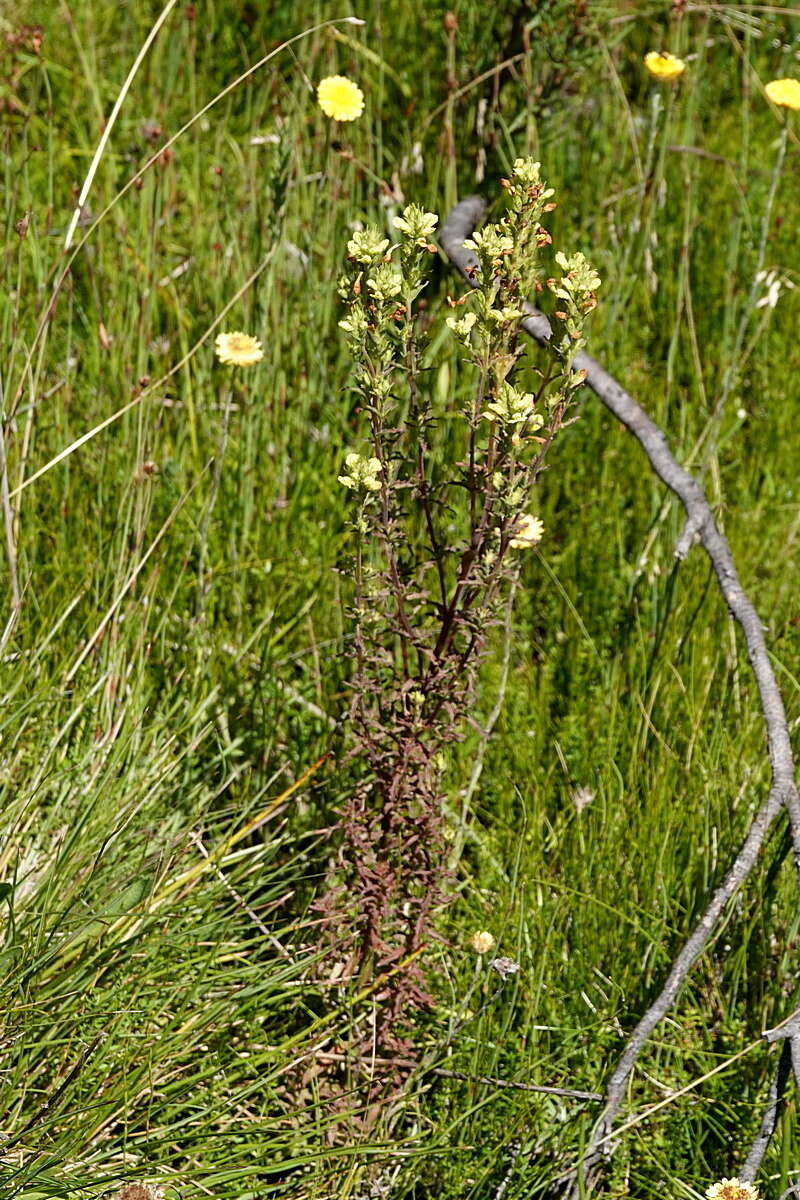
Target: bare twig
[699,523]
[790,1031]
[771,1114]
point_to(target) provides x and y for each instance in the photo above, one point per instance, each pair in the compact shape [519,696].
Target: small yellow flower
[238,349]
[663,65]
[362,473]
[785,92]
[528,532]
[340,98]
[482,942]
[732,1189]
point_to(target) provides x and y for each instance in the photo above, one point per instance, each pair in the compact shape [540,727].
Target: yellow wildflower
[362,473]
[785,92]
[482,942]
[238,349]
[528,532]
[663,65]
[340,98]
[732,1189]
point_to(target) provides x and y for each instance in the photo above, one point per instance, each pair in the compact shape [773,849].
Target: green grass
[180,648]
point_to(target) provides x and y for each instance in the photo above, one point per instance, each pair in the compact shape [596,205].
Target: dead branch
[790,1032]
[700,525]
[771,1113]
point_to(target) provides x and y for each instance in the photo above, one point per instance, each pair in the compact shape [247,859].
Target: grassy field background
[178,653]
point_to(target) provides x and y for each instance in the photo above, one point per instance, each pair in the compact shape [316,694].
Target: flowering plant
[340,98]
[663,65]
[784,92]
[440,510]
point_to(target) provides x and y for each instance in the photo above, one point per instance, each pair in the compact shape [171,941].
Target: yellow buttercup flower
[785,92]
[663,65]
[340,98]
[238,349]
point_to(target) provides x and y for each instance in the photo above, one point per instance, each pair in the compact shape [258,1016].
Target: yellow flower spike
[664,66]
[238,349]
[785,92]
[340,98]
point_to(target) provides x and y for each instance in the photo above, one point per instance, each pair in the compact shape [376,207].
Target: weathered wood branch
[700,525]
[769,1120]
